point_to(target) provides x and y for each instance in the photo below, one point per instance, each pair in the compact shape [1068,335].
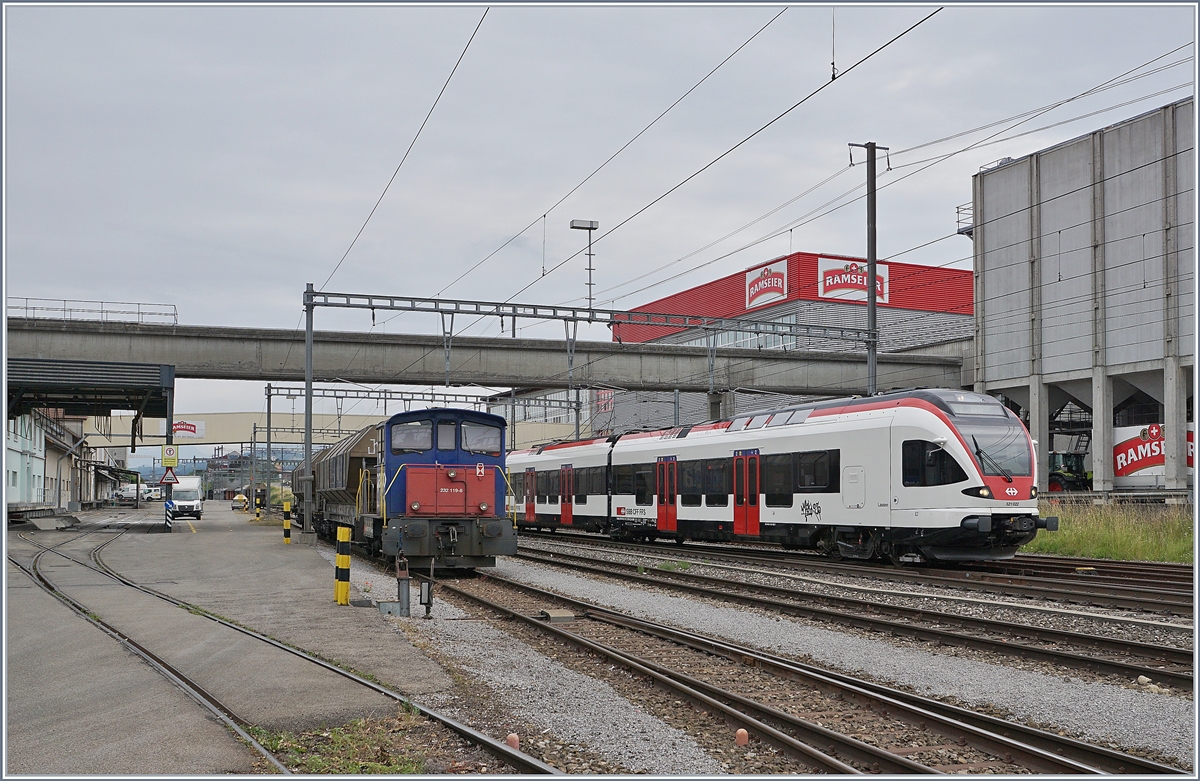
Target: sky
[216,159]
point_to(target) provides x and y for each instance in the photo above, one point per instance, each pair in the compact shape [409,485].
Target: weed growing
[1122,532]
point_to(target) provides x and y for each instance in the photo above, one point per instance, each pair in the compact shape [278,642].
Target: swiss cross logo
[1152,432]
[1010,491]
[620,511]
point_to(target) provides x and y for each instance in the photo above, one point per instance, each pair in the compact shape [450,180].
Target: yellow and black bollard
[257,508]
[287,523]
[341,588]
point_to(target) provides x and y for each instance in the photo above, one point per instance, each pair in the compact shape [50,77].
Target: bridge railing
[106,311]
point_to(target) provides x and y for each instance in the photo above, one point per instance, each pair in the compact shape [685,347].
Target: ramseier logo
[847,280]
[767,284]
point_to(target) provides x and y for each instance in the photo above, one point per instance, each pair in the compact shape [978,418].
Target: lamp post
[589,226]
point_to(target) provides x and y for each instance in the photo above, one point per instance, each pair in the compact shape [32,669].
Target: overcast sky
[219,158]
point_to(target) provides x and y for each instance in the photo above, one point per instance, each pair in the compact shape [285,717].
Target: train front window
[446,434]
[413,436]
[1004,446]
[481,438]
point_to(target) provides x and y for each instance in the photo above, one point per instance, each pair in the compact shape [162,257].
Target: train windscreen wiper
[983,455]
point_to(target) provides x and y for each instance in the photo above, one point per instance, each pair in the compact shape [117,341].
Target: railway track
[1067,649]
[824,722]
[1079,590]
[33,569]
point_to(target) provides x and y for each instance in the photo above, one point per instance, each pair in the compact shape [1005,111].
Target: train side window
[599,485]
[446,434]
[717,484]
[623,479]
[643,484]
[581,485]
[779,419]
[412,436]
[543,486]
[481,438]
[738,424]
[691,483]
[555,484]
[817,471]
[517,484]
[926,463]
[778,479]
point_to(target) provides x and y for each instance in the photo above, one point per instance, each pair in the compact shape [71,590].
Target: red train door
[745,493]
[530,491]
[667,474]
[566,504]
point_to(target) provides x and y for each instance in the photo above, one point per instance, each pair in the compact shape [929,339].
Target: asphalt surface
[78,702]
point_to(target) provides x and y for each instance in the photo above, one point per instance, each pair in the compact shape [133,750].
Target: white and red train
[913,476]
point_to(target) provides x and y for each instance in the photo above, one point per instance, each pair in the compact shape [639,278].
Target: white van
[186,499]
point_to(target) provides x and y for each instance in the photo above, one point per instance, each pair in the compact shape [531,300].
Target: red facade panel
[908,286]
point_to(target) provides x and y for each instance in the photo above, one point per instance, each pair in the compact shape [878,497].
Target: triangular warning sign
[169,478]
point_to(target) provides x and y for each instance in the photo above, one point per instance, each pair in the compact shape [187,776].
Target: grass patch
[675,566]
[362,746]
[1122,532]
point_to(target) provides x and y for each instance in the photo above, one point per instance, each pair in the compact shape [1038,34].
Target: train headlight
[416,506]
[451,474]
[1033,492]
[983,492]
[483,506]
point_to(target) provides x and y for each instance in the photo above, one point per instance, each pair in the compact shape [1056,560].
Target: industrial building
[1085,295]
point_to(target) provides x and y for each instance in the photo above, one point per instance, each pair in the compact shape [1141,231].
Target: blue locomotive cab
[445,489]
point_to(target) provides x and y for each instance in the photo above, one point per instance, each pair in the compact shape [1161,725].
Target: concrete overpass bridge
[275,355]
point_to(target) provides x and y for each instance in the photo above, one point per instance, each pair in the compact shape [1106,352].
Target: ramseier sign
[847,280]
[767,284]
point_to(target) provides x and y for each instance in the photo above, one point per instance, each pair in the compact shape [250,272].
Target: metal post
[270,464]
[872,332]
[254,469]
[308,403]
[677,408]
[170,492]
[591,299]
[872,335]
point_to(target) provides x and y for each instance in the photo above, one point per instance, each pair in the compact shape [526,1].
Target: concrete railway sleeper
[1078,591]
[501,750]
[996,636]
[941,741]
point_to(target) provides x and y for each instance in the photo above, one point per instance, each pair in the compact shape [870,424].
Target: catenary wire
[611,157]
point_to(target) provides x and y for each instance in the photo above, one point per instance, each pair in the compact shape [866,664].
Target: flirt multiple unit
[913,476]
[427,485]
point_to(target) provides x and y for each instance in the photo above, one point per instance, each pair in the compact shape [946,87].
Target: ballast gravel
[1099,712]
[579,708]
[543,691]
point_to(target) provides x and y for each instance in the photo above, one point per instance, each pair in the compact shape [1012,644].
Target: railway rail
[1069,649]
[1080,590]
[518,760]
[798,709]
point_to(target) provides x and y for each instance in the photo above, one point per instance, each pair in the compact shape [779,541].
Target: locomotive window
[691,483]
[643,484]
[446,434]
[717,472]
[481,438]
[623,479]
[778,479]
[817,472]
[413,436]
[925,463]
